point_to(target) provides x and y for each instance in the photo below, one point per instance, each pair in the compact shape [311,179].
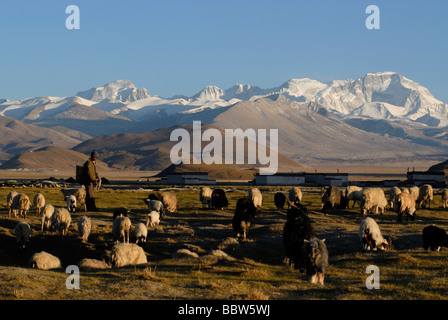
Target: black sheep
[244,212]
[279,200]
[434,238]
[332,198]
[219,199]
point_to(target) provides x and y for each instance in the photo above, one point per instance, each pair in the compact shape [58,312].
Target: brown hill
[50,158]
[440,167]
[215,171]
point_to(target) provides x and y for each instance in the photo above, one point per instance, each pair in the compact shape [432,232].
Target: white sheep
[156,205]
[21,203]
[393,192]
[140,233]
[9,198]
[124,254]
[153,219]
[353,193]
[46,214]
[84,228]
[414,191]
[121,228]
[61,220]
[445,198]
[23,233]
[405,204]
[79,193]
[71,203]
[370,236]
[425,196]
[39,202]
[373,200]
[87,264]
[294,195]
[45,261]
[205,197]
[256,197]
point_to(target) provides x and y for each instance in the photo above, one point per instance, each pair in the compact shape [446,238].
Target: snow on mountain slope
[117,91]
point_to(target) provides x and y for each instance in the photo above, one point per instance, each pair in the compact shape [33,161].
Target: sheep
[156,205]
[256,197]
[205,197]
[405,204]
[444,198]
[393,192]
[425,195]
[46,214]
[84,228]
[294,196]
[370,235]
[373,200]
[332,198]
[21,203]
[9,198]
[353,193]
[414,191]
[316,260]
[434,238]
[297,229]
[23,233]
[79,193]
[121,212]
[45,261]
[279,200]
[71,203]
[168,199]
[39,202]
[87,264]
[140,233]
[61,220]
[124,254]
[219,199]
[153,219]
[404,190]
[120,229]
[245,210]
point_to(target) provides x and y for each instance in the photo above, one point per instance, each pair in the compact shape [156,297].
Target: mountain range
[380,116]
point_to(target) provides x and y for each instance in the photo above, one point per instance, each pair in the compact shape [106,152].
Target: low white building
[188,178]
[280,179]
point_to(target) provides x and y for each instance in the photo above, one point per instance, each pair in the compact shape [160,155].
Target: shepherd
[91,179]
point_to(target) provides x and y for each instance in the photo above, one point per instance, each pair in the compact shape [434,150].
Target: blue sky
[180,46]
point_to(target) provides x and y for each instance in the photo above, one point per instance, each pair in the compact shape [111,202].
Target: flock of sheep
[303,249]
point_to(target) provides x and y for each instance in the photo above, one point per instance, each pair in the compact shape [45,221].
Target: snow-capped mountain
[117,91]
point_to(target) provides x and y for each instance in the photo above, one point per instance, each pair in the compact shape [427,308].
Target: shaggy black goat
[332,198]
[434,238]
[219,199]
[316,260]
[244,212]
[279,200]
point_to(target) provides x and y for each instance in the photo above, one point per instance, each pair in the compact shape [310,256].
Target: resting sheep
[405,204]
[140,233]
[9,198]
[373,201]
[45,261]
[71,203]
[153,219]
[370,235]
[256,197]
[61,220]
[121,228]
[245,210]
[425,195]
[294,196]
[21,203]
[205,197]
[46,214]
[79,193]
[279,200]
[39,202]
[87,264]
[434,238]
[444,198]
[353,193]
[23,233]
[84,228]
[124,254]
[316,260]
[219,199]
[393,192]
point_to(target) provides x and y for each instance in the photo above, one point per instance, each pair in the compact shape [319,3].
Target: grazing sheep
[373,201]
[156,205]
[279,200]
[353,193]
[393,192]
[61,220]
[434,238]
[332,198]
[71,203]
[9,198]
[23,233]
[405,204]
[79,193]
[140,233]
[316,260]
[414,191]
[21,203]
[205,197]
[153,219]
[168,199]
[245,210]
[124,254]
[405,190]
[39,202]
[120,229]
[46,214]
[444,198]
[121,212]
[294,195]
[425,195]
[256,197]
[84,228]
[219,199]
[370,235]
[297,229]
[87,264]
[45,261]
